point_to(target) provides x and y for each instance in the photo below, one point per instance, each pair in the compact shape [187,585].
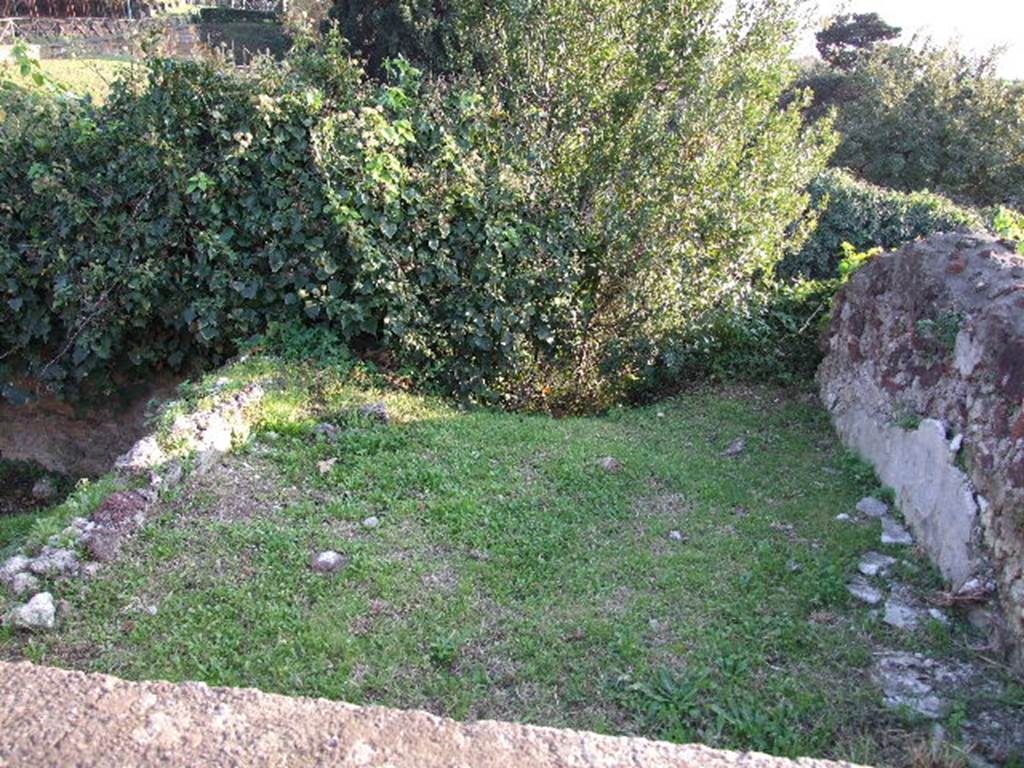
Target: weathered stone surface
[329,562]
[74,718]
[862,589]
[117,519]
[872,507]
[735,448]
[208,433]
[902,609]
[37,613]
[609,464]
[376,412]
[144,456]
[894,533]
[23,582]
[54,562]
[919,683]
[12,567]
[44,489]
[874,563]
[924,377]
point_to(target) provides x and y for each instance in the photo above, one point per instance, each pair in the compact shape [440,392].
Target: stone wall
[924,378]
[50,717]
[81,439]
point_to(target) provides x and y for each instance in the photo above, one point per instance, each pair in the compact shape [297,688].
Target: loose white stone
[37,613]
[371,522]
[54,562]
[894,533]
[329,562]
[902,609]
[874,563]
[842,517]
[872,507]
[24,582]
[862,590]
[13,566]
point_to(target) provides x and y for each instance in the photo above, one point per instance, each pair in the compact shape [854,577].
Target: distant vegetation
[556,205]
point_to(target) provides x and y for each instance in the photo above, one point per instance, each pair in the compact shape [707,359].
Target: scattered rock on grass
[37,613]
[875,563]
[329,562]
[872,507]
[894,533]
[371,522]
[862,590]
[735,448]
[54,562]
[12,567]
[843,517]
[120,516]
[376,412]
[145,455]
[678,536]
[24,582]
[609,464]
[902,609]
[169,475]
[326,465]
[918,683]
[103,546]
[326,430]
[44,489]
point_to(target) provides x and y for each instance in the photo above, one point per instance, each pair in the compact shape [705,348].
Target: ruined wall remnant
[80,439]
[924,377]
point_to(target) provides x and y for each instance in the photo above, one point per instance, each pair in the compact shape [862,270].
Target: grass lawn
[511,576]
[86,77]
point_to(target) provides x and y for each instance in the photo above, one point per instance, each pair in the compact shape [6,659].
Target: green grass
[511,577]
[85,77]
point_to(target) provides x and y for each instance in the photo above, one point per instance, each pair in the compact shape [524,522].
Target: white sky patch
[977,25]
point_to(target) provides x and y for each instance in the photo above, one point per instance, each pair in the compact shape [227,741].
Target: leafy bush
[624,175]
[1009,224]
[189,211]
[661,123]
[866,216]
[932,118]
[433,36]
[773,338]
[230,15]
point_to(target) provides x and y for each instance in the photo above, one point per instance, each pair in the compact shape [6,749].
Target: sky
[977,24]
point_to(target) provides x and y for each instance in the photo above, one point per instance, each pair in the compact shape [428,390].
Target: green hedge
[867,216]
[191,210]
[233,15]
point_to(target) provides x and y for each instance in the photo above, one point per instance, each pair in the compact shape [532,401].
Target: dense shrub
[867,216]
[624,175]
[434,36]
[775,337]
[184,214]
[929,118]
[234,15]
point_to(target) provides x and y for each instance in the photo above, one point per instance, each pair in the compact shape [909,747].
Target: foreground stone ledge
[53,717]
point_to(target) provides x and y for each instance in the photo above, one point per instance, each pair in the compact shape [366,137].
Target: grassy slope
[513,578]
[85,77]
